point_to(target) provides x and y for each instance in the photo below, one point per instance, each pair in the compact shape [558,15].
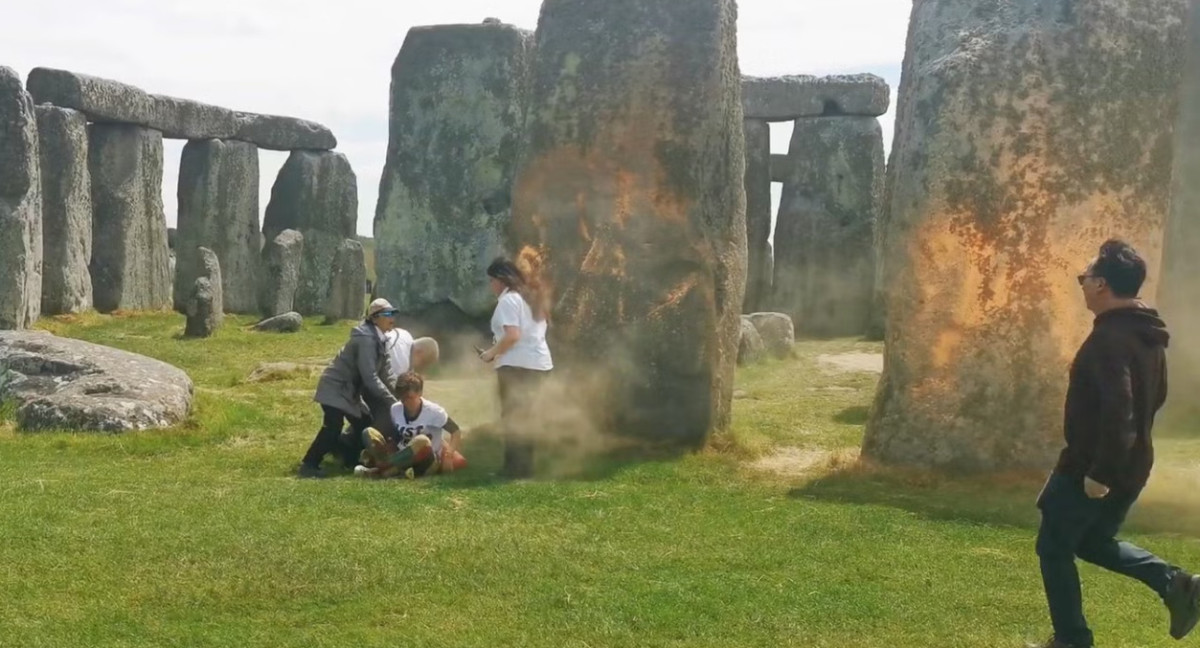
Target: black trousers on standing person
[329,438]
[1076,526]
[519,418]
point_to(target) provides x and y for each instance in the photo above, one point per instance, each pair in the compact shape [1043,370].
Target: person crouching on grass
[414,445]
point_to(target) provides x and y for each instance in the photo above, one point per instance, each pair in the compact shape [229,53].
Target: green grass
[200,536]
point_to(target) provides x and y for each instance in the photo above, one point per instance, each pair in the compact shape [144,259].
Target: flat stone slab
[105,100]
[65,384]
[791,97]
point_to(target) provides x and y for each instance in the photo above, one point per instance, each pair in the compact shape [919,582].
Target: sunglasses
[388,313]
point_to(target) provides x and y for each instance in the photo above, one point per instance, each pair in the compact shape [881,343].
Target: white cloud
[331,62]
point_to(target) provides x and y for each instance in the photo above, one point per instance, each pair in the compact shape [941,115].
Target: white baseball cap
[378,306]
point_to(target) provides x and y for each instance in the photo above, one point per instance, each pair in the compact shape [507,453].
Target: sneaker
[410,474]
[362,471]
[1183,603]
[310,472]
[1052,642]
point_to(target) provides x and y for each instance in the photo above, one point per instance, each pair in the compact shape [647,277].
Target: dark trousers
[1074,525]
[329,438]
[518,417]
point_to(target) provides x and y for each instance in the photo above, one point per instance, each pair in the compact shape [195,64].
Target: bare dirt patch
[852,362]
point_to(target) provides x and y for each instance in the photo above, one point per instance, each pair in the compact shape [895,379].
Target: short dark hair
[410,382]
[1121,267]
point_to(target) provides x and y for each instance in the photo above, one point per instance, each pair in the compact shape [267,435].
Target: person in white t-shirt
[404,354]
[521,357]
[415,444]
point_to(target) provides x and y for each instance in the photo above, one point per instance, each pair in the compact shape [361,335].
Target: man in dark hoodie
[1118,381]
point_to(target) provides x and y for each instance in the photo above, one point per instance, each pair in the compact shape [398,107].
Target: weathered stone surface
[202,310]
[1178,293]
[444,206]
[218,209]
[66,384]
[316,193]
[1018,151]
[280,273]
[824,245]
[792,97]
[66,211]
[778,332]
[104,100]
[20,206]
[277,133]
[630,203]
[286,323]
[751,348]
[780,165]
[758,214]
[347,283]
[130,259]
[205,298]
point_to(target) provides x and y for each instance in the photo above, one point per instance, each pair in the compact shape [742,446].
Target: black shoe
[1053,642]
[310,472]
[1183,602]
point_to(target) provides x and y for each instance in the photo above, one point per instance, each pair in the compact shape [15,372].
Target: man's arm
[455,434]
[1116,434]
[368,358]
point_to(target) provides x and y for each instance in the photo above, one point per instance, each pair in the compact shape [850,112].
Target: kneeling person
[415,441]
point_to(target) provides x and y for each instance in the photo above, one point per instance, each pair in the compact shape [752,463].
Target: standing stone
[1178,294]
[347,283]
[316,193]
[66,211]
[20,206]
[131,266]
[758,214]
[630,203]
[205,302]
[1028,132]
[824,247]
[444,205]
[280,273]
[218,209]
[778,333]
[751,348]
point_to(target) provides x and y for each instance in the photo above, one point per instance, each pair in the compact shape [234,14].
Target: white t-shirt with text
[430,421]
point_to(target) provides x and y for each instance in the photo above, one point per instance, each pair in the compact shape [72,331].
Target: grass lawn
[776,536]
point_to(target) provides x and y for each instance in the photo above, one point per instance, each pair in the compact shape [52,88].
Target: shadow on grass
[1005,499]
[856,415]
[560,461]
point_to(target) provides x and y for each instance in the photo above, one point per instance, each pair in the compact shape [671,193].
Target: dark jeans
[1074,525]
[518,418]
[329,438]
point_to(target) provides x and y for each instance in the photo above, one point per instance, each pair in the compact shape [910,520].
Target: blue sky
[331,62]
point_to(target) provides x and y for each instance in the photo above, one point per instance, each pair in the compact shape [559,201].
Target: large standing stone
[630,198]
[20,206]
[758,214]
[1179,292]
[218,209]
[104,100]
[347,283]
[205,298]
[1028,132]
[131,267]
[444,205]
[65,384]
[824,246]
[280,273]
[316,193]
[66,211]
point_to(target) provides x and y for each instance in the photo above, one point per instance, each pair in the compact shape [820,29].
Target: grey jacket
[359,373]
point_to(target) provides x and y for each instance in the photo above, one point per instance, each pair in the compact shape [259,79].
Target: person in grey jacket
[351,387]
